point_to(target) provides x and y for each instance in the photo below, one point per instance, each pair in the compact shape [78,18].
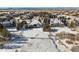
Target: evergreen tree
[46,23]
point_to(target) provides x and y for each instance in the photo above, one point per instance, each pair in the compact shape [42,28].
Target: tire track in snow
[52,37]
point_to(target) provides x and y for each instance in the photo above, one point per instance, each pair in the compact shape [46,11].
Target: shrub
[5,33]
[71,24]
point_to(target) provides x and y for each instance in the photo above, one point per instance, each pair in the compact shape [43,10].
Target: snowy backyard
[29,40]
[34,40]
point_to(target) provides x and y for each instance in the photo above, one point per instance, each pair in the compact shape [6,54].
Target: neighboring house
[6,23]
[35,23]
[9,23]
[55,22]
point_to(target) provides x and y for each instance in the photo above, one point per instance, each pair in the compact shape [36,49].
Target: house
[9,23]
[56,22]
[35,23]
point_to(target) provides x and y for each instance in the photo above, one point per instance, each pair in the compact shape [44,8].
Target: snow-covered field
[34,40]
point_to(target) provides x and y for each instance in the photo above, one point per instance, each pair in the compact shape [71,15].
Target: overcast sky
[39,3]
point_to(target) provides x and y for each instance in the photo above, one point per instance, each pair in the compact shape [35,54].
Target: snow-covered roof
[55,21]
[36,18]
[6,22]
[17,17]
[35,22]
[61,15]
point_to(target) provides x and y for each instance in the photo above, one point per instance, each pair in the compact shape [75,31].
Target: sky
[39,3]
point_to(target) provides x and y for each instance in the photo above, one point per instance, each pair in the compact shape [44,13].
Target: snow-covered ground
[39,45]
[35,40]
[62,45]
